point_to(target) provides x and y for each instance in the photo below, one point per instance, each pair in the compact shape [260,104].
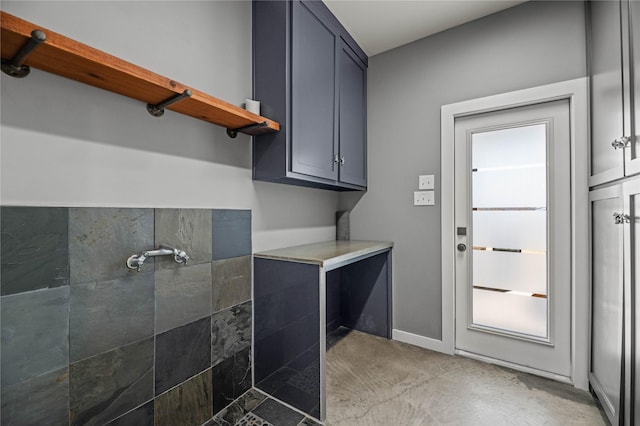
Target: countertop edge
[376,247]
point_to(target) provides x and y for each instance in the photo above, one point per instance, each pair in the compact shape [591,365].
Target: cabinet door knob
[622,142]
[335,159]
[620,218]
[342,161]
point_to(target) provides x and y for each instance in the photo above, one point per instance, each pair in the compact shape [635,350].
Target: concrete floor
[373,381]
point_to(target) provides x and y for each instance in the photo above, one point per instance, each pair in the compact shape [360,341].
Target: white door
[513,237]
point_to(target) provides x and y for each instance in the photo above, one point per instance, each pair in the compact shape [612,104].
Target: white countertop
[328,253]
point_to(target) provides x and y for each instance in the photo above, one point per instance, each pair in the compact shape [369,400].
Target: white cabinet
[614,373]
[613,40]
[614,69]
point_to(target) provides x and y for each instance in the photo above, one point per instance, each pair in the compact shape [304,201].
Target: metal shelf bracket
[14,67]
[157,110]
[232,133]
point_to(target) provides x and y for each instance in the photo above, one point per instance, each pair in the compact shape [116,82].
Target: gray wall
[532,44]
[68,144]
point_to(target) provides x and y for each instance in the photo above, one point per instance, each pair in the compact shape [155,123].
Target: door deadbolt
[462,247]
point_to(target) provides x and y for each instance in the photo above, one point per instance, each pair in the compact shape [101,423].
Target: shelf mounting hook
[14,67]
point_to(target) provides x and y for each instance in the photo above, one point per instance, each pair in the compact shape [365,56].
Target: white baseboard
[416,340]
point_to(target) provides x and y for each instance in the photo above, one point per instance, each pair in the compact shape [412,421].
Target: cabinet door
[632,165]
[353,118]
[607,104]
[606,299]
[631,195]
[313,94]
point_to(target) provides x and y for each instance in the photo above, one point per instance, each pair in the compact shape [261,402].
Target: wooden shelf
[69,58]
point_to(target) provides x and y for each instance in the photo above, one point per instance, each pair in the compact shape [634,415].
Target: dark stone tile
[231,282]
[109,314]
[278,310]
[34,248]
[300,389]
[102,239]
[141,416]
[104,387]
[230,332]
[184,229]
[182,353]
[35,334]
[231,414]
[286,345]
[188,404]
[238,409]
[308,380]
[306,359]
[231,233]
[365,295]
[41,400]
[231,378]
[183,295]
[276,276]
[251,399]
[301,336]
[276,413]
[270,355]
[276,380]
[297,398]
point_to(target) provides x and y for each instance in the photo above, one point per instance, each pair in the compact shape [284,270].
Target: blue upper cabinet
[310,75]
[352,118]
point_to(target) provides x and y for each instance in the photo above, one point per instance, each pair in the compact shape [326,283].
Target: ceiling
[380,25]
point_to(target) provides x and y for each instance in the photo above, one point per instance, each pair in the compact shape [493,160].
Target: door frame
[576,92]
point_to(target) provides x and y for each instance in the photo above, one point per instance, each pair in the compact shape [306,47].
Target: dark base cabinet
[300,300]
[311,76]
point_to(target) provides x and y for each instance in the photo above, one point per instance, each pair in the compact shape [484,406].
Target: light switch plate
[423,198]
[426,182]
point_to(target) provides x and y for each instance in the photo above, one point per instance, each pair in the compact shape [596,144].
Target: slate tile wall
[85,340]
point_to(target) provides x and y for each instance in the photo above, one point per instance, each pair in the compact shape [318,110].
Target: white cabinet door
[606,298]
[631,196]
[632,154]
[606,90]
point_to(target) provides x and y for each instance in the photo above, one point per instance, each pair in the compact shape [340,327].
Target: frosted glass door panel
[510,229]
[510,312]
[510,188]
[510,271]
[518,146]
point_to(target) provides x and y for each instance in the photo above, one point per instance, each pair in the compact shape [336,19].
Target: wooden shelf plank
[69,58]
